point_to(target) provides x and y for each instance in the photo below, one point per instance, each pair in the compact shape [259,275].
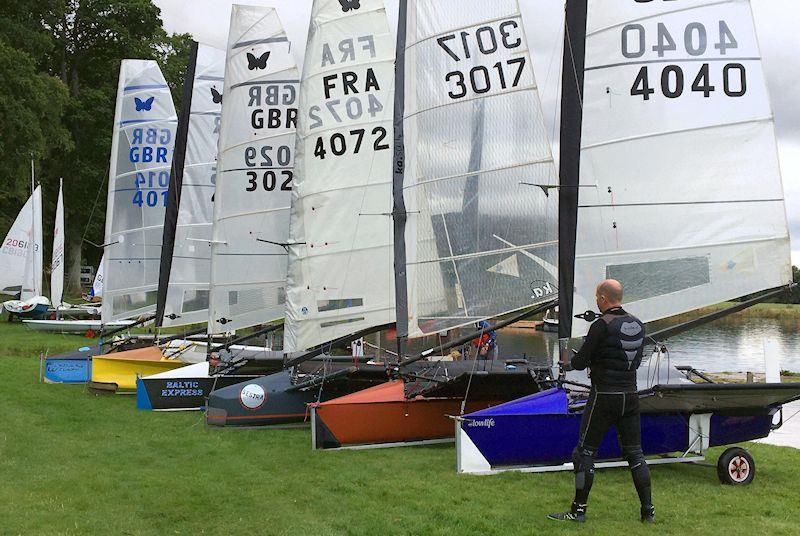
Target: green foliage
[59,65]
[31,107]
[74,463]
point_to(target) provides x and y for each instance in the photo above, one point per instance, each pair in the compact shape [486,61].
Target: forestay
[340,261]
[254,180]
[479,243]
[190,270]
[139,175]
[682,198]
[20,249]
[57,259]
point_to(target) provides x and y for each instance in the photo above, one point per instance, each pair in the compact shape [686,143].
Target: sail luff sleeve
[175,183]
[399,206]
[570,157]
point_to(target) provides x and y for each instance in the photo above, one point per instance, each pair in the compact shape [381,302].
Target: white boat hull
[73,326]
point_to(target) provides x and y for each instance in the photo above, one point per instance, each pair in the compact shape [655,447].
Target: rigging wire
[96,200]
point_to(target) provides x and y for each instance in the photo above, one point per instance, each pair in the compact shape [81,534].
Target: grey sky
[776,23]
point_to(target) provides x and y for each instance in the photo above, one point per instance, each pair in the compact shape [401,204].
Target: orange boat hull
[383,415]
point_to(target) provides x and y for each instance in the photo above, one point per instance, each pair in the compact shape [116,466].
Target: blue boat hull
[71,367]
[68,370]
[539,430]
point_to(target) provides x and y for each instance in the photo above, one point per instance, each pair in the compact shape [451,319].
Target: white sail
[97,284]
[32,279]
[479,243]
[57,259]
[20,249]
[190,272]
[341,261]
[682,198]
[254,179]
[141,157]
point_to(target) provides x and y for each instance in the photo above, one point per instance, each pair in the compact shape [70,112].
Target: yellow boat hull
[121,369]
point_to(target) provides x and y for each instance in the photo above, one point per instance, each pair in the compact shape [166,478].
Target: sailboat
[64,313]
[139,176]
[185,275]
[679,233]
[253,179]
[22,259]
[339,284]
[472,241]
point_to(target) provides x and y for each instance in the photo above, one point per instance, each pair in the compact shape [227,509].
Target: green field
[72,463]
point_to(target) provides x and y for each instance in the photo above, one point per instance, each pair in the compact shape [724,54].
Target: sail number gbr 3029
[695,75]
[483,41]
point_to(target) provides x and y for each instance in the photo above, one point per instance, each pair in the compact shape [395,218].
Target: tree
[79,45]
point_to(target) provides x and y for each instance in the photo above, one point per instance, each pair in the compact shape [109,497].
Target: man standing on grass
[613,351]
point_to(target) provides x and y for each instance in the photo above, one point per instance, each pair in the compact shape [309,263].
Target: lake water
[734,344]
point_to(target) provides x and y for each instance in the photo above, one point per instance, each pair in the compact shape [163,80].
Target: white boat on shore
[77,327]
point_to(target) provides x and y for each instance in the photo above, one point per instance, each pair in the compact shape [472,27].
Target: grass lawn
[74,463]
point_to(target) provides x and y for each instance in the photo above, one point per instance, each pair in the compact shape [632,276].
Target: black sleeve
[583,358]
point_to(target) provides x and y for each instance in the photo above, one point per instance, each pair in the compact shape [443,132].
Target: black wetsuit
[613,351]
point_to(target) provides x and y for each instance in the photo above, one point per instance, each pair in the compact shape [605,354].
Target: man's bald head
[609,294]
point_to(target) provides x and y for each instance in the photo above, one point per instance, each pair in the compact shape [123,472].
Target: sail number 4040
[673,81]
[338,143]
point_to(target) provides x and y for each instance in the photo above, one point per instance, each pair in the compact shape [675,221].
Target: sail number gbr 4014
[695,77]
[486,41]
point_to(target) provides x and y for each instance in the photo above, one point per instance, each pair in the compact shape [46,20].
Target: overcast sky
[776,23]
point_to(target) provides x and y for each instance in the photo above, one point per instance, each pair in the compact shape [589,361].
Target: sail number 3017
[485,41]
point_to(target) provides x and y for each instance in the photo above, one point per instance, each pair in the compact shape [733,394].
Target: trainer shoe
[648,514]
[576,514]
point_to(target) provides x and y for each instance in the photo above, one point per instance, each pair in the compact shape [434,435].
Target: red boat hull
[382,415]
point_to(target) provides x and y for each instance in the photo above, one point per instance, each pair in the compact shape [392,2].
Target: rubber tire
[736,467]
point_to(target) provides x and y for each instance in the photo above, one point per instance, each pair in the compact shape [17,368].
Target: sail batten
[255,173]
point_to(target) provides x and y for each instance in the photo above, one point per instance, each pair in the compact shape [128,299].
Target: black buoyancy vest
[620,352]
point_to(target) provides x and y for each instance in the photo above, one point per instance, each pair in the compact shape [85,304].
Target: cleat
[648,514]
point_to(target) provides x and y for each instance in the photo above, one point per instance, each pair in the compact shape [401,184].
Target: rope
[96,200]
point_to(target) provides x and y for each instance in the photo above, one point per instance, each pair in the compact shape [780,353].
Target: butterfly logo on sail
[254,62]
[143,105]
[348,5]
[216,96]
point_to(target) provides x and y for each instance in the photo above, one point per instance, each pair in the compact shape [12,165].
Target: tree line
[59,66]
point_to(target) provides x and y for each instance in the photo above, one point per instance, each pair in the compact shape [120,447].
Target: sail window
[335,305]
[643,280]
[194,300]
[134,301]
[340,322]
[246,301]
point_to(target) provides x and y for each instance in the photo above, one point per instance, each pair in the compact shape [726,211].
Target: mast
[570,161]
[175,185]
[399,204]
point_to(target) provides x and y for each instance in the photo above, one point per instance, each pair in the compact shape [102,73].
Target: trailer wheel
[736,467]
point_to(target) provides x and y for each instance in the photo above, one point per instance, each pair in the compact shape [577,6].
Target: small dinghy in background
[21,260]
